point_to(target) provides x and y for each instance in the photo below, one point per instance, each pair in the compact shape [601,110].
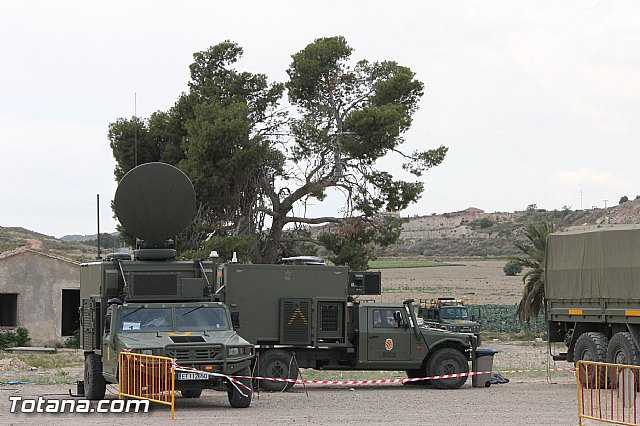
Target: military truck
[149,303]
[448,313]
[309,316]
[592,292]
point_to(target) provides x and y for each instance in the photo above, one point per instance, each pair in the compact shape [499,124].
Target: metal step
[560,357]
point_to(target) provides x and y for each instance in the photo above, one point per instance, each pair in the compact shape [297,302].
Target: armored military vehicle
[308,316]
[448,313]
[592,294]
[152,304]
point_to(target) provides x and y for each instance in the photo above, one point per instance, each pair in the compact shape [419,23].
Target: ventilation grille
[329,318]
[88,315]
[186,339]
[154,285]
[295,325]
[193,354]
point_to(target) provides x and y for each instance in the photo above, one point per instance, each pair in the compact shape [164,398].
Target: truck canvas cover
[601,263]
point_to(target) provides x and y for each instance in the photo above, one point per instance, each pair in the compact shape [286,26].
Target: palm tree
[532,257]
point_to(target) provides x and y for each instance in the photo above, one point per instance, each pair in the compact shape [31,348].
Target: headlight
[238,350]
[146,352]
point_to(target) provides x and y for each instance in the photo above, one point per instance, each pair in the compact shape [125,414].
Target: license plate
[193,376]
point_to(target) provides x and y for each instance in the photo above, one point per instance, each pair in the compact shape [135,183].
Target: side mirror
[107,324]
[235,320]
[114,301]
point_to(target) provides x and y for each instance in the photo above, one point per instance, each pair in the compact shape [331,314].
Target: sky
[538,102]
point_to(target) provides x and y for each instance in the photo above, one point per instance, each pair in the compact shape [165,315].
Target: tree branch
[313,221]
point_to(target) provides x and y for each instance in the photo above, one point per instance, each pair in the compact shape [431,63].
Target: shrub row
[502,319]
[10,339]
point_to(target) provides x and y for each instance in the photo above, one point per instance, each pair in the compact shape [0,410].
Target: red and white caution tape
[234,380]
[398,380]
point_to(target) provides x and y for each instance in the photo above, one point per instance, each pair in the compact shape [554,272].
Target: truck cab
[393,339]
[196,335]
[448,313]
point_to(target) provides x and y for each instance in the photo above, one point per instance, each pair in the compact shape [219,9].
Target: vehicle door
[109,352]
[389,338]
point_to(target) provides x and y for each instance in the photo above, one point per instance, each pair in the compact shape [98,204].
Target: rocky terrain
[474,232]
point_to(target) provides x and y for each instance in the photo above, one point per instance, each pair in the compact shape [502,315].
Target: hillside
[474,232]
[471,232]
[14,238]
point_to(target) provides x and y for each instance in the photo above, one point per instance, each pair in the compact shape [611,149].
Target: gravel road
[526,401]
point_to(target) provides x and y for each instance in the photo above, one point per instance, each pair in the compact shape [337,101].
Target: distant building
[40,292]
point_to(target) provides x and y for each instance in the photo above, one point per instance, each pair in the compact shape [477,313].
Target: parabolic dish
[155,202]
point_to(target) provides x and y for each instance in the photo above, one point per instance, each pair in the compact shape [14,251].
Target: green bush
[22,337]
[512,268]
[73,342]
[482,223]
[9,339]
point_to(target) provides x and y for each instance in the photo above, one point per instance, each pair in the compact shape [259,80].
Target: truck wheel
[278,364]
[621,350]
[447,361]
[236,399]
[591,346]
[191,393]
[94,383]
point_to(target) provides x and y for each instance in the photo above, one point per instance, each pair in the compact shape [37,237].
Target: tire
[94,383]
[277,363]
[591,346]
[622,350]
[236,399]
[447,361]
[191,393]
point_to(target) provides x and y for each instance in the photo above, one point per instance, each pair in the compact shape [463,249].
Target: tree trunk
[268,250]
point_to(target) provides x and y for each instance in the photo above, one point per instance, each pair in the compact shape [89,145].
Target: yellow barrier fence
[147,377]
[607,392]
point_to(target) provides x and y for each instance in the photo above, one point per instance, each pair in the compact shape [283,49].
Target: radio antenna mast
[135,129]
[98,257]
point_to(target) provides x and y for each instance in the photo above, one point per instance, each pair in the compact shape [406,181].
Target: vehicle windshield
[201,318]
[454,312]
[146,319]
[142,319]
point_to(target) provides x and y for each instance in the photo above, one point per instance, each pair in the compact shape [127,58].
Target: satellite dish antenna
[154,202]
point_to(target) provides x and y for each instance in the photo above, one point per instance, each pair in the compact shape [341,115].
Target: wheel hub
[277,370]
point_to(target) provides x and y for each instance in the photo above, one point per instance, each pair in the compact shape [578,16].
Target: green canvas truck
[592,293]
[154,305]
[309,316]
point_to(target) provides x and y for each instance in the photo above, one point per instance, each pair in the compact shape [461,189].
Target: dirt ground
[477,281]
[529,398]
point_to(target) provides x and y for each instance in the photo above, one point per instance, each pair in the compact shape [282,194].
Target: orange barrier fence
[147,377]
[607,392]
